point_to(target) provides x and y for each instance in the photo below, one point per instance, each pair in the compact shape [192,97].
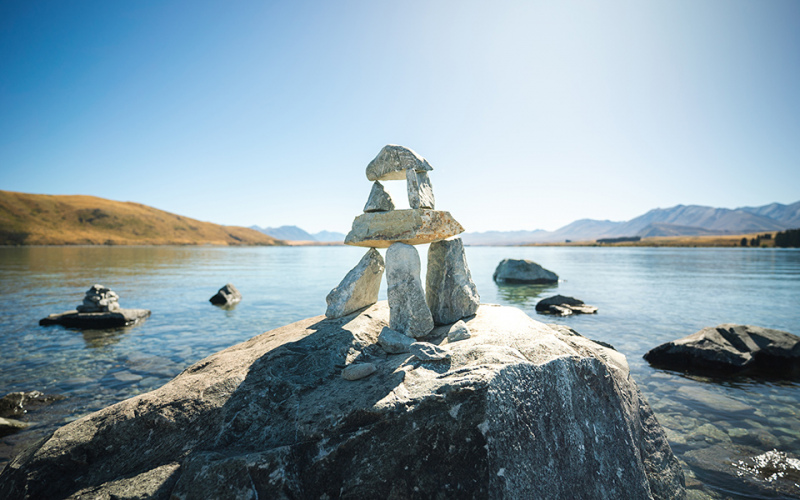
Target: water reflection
[522,294]
[102,338]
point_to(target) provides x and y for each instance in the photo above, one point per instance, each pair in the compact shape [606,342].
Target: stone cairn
[99,299]
[449,293]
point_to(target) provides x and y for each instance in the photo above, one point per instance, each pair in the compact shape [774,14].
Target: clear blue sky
[533,114]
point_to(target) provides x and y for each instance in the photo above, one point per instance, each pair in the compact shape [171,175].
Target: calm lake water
[646,296]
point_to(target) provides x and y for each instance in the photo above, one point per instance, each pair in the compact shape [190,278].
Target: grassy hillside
[727,240]
[37,219]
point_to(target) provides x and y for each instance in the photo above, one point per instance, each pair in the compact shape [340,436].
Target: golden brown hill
[38,219]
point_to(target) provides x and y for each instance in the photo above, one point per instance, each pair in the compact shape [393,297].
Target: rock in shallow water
[523,271]
[228,295]
[561,305]
[97,320]
[520,411]
[732,349]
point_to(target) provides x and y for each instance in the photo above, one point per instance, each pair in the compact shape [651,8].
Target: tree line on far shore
[785,239]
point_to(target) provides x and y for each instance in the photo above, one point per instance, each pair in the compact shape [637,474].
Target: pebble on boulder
[228,295]
[394,342]
[359,288]
[732,349]
[561,305]
[449,289]
[459,331]
[379,200]
[523,271]
[100,309]
[409,313]
[357,371]
[392,163]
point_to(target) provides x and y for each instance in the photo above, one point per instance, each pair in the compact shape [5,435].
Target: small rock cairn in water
[99,299]
[449,294]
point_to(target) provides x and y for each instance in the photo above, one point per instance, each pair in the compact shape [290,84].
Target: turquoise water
[646,296]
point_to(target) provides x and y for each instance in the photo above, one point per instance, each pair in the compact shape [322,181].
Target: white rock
[359,288]
[408,311]
[394,342]
[358,371]
[413,227]
[425,351]
[458,331]
[392,162]
[379,200]
[449,289]
[420,190]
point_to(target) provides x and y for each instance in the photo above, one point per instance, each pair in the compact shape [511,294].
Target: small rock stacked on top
[99,299]
[449,294]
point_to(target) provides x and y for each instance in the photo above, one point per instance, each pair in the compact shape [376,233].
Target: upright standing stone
[449,289]
[392,163]
[408,312]
[379,200]
[359,288]
[420,190]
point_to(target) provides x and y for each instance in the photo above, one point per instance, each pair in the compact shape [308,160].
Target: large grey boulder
[359,288]
[523,271]
[409,311]
[413,227]
[228,295]
[561,305]
[420,190]
[449,290]
[393,161]
[379,200]
[520,410]
[732,349]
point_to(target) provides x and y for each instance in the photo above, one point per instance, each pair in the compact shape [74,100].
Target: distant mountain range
[294,233]
[680,220]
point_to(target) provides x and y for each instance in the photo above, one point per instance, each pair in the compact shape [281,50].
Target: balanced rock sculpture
[451,293]
[99,309]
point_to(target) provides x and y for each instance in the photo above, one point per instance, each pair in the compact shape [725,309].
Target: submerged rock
[16,404]
[732,349]
[519,411]
[228,295]
[523,271]
[10,426]
[393,161]
[359,288]
[413,227]
[98,320]
[561,305]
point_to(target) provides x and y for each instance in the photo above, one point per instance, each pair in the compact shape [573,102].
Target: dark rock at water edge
[518,410]
[228,295]
[730,349]
[562,305]
[523,271]
[97,320]
[16,404]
